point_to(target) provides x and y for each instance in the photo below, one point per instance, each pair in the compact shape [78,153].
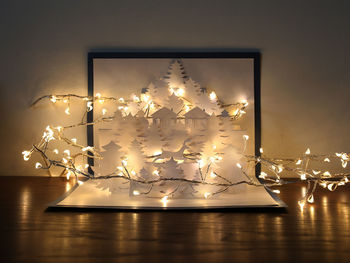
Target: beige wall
[305,61]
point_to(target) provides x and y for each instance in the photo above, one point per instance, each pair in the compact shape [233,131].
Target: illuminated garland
[270,176]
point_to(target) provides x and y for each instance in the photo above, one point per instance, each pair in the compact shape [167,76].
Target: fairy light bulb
[276,191]
[135,192]
[38,165]
[212,175]
[245,103]
[303,176]
[68,175]
[206,195]
[64,160]
[261,150]
[120,168]
[98,95]
[180,92]
[53,99]
[145,97]
[26,155]
[67,152]
[156,172]
[246,137]
[67,111]
[298,162]
[263,175]
[311,199]
[133,172]
[326,160]
[135,98]
[307,152]
[212,96]
[239,165]
[104,111]
[80,182]
[89,106]
[74,140]
[327,174]
[55,151]
[164,200]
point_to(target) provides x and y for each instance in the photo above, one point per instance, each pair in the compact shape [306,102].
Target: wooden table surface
[28,233]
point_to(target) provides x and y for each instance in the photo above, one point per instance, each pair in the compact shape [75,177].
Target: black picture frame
[256,56]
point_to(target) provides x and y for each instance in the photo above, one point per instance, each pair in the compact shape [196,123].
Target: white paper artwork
[172,142]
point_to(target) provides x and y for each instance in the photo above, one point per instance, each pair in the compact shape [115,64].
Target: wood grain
[28,233]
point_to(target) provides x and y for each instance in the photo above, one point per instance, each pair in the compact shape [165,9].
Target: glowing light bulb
[68,174]
[145,97]
[331,187]
[164,200]
[86,166]
[326,160]
[55,151]
[87,148]
[98,95]
[200,163]
[239,165]
[214,147]
[135,192]
[303,177]
[120,168]
[26,155]
[67,111]
[246,137]
[276,191]
[310,199]
[263,175]
[156,172]
[307,152]
[67,152]
[327,174]
[104,111]
[133,172]
[212,175]
[53,99]
[206,195]
[89,106]
[124,162]
[245,103]
[135,98]
[298,162]
[64,160]
[38,165]
[180,92]
[121,100]
[187,108]
[80,182]
[315,172]
[74,140]
[212,96]
[338,154]
[59,128]
[261,150]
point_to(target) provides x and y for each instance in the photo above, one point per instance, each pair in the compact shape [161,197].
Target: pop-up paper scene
[171,143]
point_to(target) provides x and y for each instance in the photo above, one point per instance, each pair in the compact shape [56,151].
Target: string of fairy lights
[272,174]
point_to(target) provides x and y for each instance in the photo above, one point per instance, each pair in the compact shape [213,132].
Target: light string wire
[298,167]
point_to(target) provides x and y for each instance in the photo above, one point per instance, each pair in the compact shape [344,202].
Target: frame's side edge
[90,114]
[257,110]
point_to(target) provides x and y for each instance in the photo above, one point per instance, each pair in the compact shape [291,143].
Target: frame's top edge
[152,54]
